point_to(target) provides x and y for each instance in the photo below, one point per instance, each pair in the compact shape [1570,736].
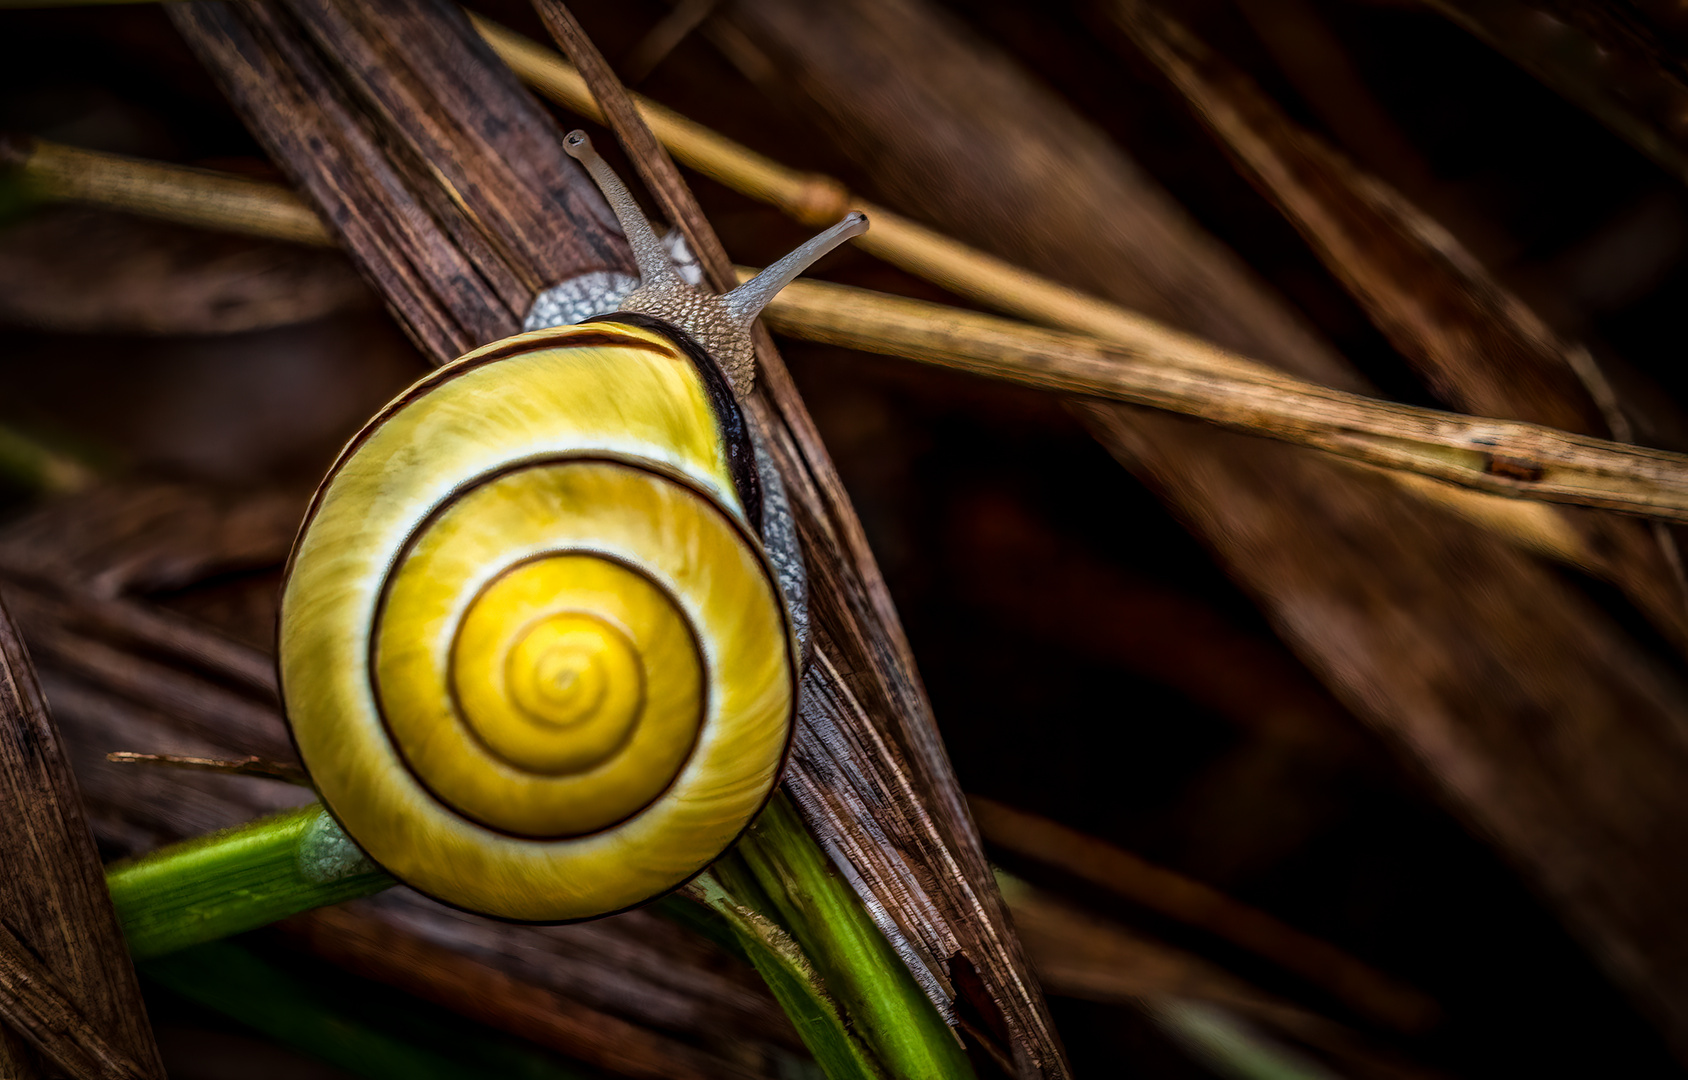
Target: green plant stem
[778,867]
[238,879]
[795,984]
[775,899]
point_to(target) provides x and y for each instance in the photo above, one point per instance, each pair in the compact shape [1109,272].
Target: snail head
[719,323]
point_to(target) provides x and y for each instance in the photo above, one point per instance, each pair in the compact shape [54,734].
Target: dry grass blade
[364,128]
[456,249]
[1355,983]
[1477,345]
[812,198]
[230,203]
[1151,364]
[967,271]
[67,982]
[1168,370]
[815,199]
[1451,645]
[34,1005]
[251,765]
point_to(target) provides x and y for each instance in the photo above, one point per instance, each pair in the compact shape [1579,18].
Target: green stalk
[779,868]
[824,1028]
[775,899]
[238,879]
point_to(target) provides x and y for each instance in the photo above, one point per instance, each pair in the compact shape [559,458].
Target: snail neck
[721,324]
[708,320]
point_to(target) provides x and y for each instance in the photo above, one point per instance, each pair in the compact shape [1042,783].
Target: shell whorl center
[544,694]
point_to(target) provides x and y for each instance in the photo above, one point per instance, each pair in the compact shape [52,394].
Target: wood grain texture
[66,983]
[459,213]
[1542,722]
[378,135]
[33,1003]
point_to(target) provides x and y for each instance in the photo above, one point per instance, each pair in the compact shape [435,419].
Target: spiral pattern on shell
[534,657]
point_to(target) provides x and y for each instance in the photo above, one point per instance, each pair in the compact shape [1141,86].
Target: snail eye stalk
[720,324]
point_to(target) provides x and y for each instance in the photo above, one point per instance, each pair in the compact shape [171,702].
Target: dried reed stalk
[214,200]
[1169,370]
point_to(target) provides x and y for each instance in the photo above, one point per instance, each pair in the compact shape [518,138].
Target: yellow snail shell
[534,656]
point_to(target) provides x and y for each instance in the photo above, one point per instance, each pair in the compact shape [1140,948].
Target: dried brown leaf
[66,981]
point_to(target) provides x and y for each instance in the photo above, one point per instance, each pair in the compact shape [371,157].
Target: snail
[533,650]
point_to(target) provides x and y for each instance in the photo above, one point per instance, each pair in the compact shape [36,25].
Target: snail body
[534,655]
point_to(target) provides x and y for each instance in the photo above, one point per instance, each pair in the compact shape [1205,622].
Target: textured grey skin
[779,540]
[578,299]
[326,853]
[600,293]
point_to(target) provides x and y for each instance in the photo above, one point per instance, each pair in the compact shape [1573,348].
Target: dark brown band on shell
[735,433]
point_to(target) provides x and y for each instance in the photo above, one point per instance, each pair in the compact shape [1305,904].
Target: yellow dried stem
[199,197]
[1165,369]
